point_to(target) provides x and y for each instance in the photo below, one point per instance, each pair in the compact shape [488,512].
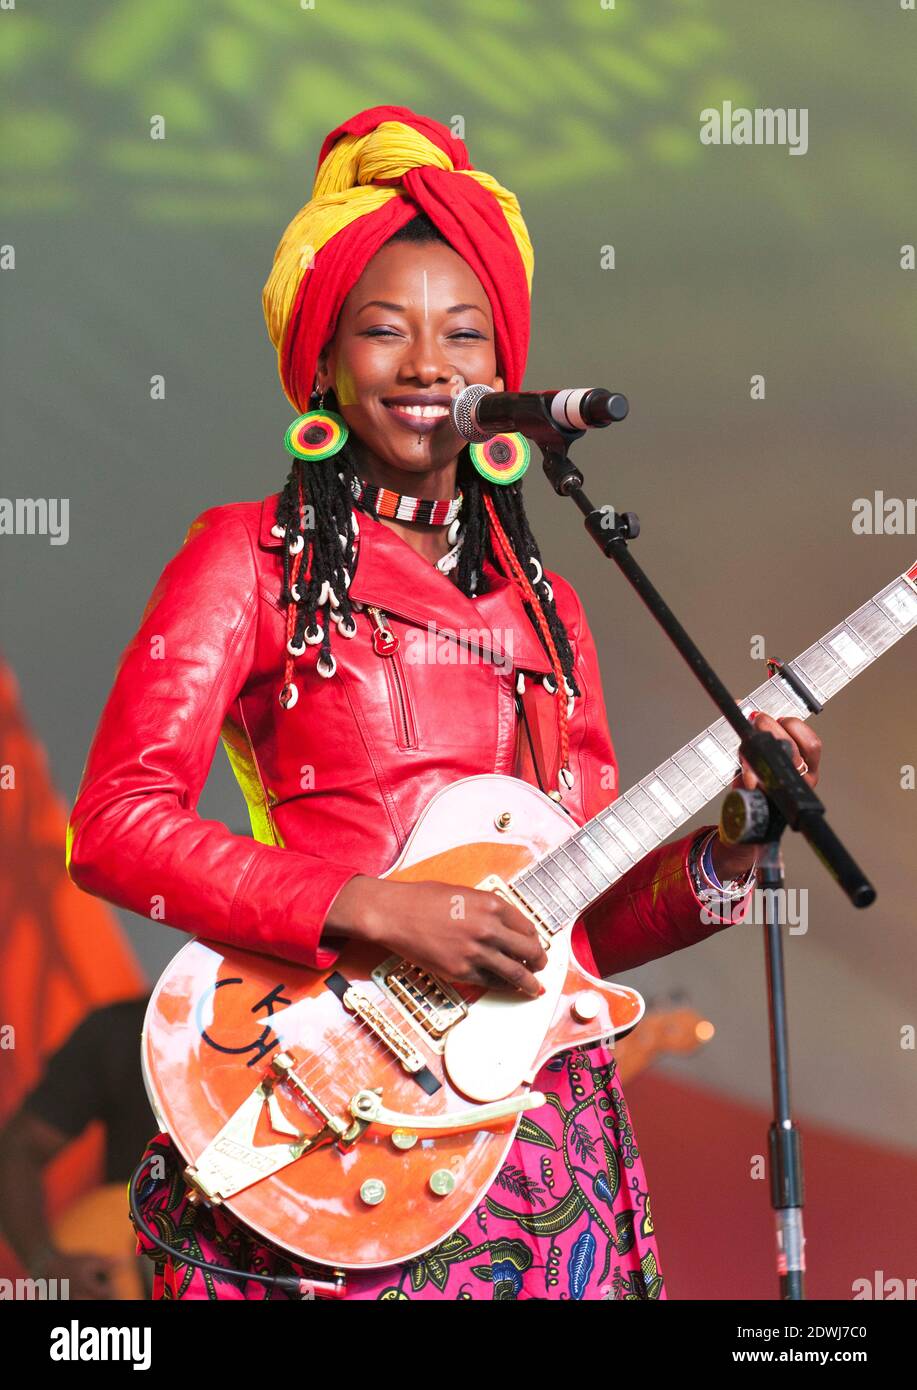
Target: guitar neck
[570,878]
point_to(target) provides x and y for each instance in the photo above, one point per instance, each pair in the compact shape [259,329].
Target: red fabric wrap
[469,217]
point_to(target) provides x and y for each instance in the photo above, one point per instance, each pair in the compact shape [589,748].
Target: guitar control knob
[586,1006]
[403,1139]
[372,1191]
[442,1182]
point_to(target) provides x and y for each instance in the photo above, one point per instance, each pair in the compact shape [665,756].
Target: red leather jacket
[335,784]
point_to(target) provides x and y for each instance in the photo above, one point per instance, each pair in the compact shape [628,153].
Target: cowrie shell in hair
[317,637]
[348,629]
[326,668]
[292,695]
[278,531]
[547,590]
[540,573]
[323,593]
[296,545]
[294,592]
[549,684]
[565,779]
[520,683]
[295,651]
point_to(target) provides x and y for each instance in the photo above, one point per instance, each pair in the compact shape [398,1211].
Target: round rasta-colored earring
[316,435]
[502,459]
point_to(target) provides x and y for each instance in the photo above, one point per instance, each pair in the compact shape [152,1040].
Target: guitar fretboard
[570,878]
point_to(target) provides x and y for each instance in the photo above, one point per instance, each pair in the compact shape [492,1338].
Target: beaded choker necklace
[398,506]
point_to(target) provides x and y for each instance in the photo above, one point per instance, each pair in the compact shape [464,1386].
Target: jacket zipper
[387,644]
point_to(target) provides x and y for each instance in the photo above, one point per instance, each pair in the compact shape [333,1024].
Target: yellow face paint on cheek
[345,387]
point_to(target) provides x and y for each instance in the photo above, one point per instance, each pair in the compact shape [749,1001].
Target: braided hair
[316,505]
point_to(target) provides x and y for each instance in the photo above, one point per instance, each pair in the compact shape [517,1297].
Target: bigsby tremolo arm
[367,1107]
[233,1161]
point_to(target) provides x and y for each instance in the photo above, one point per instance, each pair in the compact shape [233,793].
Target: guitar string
[355,1026]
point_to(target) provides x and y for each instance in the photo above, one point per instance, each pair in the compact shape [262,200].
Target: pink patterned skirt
[567,1217]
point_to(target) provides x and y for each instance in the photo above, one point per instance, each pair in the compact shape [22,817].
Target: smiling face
[416,327]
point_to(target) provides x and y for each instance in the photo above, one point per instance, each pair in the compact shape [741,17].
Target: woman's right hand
[458,933]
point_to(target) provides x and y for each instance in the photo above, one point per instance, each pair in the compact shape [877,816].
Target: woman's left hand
[732,861]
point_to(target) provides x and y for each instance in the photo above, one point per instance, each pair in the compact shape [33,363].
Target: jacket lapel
[390,575]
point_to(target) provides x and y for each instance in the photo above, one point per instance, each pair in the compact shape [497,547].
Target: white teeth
[425,412]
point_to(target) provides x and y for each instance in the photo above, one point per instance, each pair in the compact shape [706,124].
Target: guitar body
[218,1020]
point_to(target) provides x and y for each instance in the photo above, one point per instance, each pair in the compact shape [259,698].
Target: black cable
[288,1282]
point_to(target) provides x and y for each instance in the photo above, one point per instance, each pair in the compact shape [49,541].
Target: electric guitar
[356,1116]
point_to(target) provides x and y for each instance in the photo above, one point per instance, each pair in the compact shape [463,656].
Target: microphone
[478,412]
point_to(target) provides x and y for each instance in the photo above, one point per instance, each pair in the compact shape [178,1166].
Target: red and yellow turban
[374,173]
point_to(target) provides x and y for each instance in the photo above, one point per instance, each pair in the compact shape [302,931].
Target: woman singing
[291,627]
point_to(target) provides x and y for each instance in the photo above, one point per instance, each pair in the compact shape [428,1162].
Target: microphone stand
[752,817]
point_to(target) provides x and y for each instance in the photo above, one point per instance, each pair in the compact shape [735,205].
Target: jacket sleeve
[134,836]
[653,909]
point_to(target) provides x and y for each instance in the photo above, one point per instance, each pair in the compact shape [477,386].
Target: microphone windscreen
[463,410]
